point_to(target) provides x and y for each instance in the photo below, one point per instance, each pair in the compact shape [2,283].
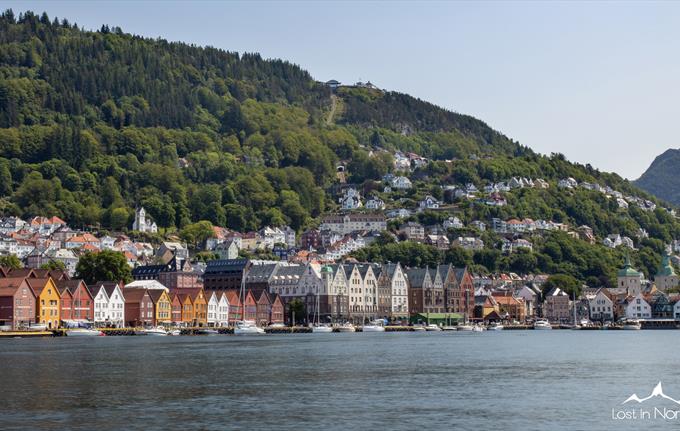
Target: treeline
[557,253]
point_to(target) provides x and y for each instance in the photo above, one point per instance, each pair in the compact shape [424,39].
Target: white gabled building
[223,310]
[601,307]
[401,183]
[638,308]
[429,203]
[143,223]
[213,304]
[109,305]
[453,223]
[375,203]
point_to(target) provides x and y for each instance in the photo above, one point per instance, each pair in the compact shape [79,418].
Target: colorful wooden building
[47,301]
[139,310]
[17,303]
[162,306]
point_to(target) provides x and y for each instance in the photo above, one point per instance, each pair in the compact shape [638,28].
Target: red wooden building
[17,303]
[65,303]
[82,300]
[278,310]
[139,309]
[234,307]
[250,307]
[264,309]
[176,309]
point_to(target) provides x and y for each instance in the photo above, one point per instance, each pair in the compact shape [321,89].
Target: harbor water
[509,380]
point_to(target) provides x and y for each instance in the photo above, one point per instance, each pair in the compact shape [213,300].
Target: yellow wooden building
[47,301]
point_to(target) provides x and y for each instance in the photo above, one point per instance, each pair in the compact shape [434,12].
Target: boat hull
[372,328]
[322,329]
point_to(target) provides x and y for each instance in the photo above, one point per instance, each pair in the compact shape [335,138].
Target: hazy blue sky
[595,81]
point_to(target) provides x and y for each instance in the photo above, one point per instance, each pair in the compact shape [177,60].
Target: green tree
[106,265]
[11,262]
[197,233]
[56,265]
[565,282]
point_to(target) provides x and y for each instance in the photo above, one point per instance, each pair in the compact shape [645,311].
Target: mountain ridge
[661,179]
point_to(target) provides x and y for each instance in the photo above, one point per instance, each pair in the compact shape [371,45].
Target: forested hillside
[95,123]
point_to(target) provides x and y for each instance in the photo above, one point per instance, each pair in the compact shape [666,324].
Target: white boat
[36,327]
[418,328]
[346,327]
[157,331]
[321,329]
[448,328]
[542,324]
[374,326]
[465,328]
[478,328]
[175,332]
[495,327]
[632,325]
[432,328]
[247,327]
[84,332]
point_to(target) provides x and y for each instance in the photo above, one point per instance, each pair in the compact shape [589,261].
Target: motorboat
[322,329]
[542,324]
[84,332]
[478,328]
[465,328]
[374,326]
[158,331]
[36,327]
[632,325]
[346,327]
[449,328]
[175,332]
[247,327]
[432,328]
[495,327]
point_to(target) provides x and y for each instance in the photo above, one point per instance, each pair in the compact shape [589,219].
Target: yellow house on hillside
[47,301]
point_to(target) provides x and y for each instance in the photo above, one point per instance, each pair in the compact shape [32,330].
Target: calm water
[529,380]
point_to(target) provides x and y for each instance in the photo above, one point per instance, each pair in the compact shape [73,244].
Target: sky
[595,81]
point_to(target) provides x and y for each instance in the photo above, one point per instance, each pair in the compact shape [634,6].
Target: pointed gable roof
[264,298]
[134,295]
[22,272]
[38,285]
[417,277]
[9,285]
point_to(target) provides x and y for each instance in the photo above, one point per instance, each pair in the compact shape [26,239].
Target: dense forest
[95,123]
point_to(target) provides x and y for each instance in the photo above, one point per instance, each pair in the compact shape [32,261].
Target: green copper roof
[666,269]
[628,270]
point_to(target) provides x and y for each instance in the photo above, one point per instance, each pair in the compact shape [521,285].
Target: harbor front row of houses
[30,297]
[338,292]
